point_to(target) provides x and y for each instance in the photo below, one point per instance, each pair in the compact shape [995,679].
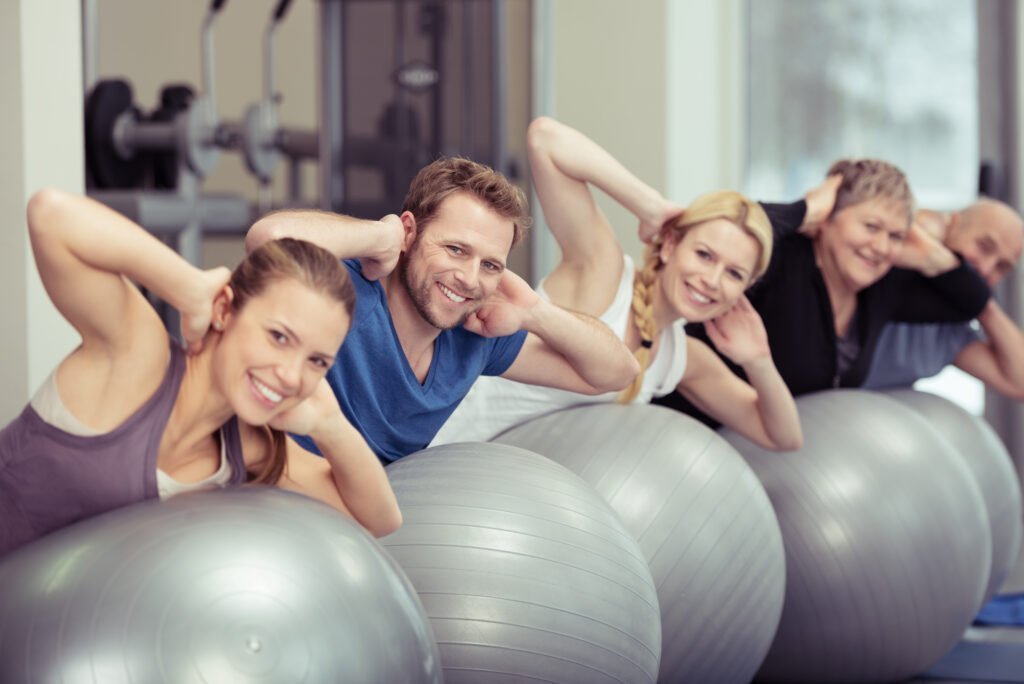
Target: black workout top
[794,304]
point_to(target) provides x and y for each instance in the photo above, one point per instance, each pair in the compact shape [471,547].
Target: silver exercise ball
[887,542]
[252,584]
[983,452]
[702,520]
[525,573]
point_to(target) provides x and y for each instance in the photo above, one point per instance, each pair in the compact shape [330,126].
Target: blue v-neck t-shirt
[376,386]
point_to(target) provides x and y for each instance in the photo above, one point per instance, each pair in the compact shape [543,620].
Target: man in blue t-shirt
[436,307]
[989,234]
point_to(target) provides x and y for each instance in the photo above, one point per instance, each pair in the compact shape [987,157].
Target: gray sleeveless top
[50,478]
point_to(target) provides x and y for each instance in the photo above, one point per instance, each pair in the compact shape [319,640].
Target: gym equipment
[118,136]
[886,538]
[260,124]
[252,584]
[107,103]
[525,573]
[983,452]
[174,100]
[702,520]
[403,83]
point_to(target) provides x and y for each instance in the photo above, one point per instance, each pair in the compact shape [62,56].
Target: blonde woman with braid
[698,263]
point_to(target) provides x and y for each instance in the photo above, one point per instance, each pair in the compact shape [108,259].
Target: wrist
[990,311]
[330,430]
[537,316]
[940,260]
[757,365]
[654,208]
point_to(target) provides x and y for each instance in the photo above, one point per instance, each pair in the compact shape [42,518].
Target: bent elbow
[630,369]
[386,523]
[540,132]
[264,230]
[791,443]
[41,207]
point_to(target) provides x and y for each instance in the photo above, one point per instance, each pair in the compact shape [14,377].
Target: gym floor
[1014,636]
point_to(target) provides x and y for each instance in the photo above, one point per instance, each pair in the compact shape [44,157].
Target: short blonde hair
[744,213]
[868,179]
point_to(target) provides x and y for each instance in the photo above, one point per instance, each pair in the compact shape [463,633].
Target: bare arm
[564,163]
[376,243]
[574,352]
[565,350]
[998,361]
[348,477]
[763,410]
[87,254]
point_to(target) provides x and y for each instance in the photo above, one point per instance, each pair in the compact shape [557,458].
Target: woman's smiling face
[277,348]
[859,242]
[708,269]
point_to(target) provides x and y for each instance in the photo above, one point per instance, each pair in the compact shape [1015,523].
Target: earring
[217,325]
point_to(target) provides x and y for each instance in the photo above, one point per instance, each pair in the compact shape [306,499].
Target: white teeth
[270,394]
[701,299]
[451,295]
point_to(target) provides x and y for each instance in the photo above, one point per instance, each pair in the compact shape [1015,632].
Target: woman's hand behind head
[820,203]
[654,222]
[197,317]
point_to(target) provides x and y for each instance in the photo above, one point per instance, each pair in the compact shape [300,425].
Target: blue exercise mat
[1006,611]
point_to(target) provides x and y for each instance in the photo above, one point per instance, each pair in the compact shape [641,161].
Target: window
[894,79]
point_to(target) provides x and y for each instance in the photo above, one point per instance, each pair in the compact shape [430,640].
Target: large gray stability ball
[525,573]
[701,518]
[986,456]
[252,584]
[887,542]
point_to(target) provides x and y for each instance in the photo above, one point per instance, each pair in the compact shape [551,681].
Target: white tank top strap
[47,403]
[168,486]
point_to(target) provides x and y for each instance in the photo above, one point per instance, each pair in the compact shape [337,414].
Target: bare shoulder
[102,389]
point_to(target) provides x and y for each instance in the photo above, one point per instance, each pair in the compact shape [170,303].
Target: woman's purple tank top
[50,478]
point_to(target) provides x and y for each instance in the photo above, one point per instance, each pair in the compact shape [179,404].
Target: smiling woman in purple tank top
[128,405]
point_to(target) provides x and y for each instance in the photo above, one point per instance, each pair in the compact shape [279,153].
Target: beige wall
[608,70]
[657,83]
[41,140]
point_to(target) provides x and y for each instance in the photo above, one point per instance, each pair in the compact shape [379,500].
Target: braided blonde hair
[725,204]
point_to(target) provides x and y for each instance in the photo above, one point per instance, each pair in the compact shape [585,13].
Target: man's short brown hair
[441,178]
